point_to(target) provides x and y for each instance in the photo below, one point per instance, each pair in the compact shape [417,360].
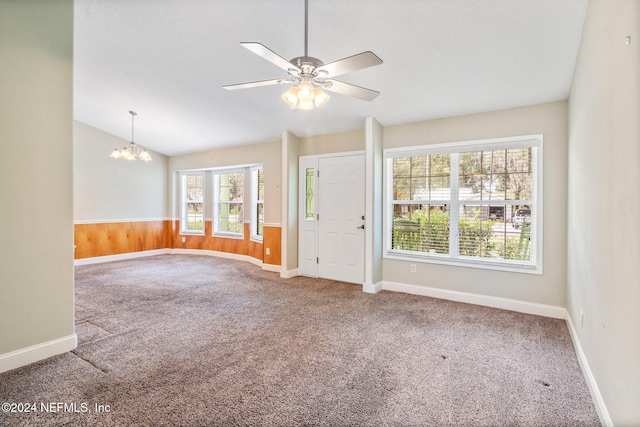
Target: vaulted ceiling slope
[168,60]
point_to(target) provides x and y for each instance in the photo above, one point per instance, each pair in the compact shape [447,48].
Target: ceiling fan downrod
[306,27]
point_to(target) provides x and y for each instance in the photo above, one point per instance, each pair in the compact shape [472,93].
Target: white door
[341,218]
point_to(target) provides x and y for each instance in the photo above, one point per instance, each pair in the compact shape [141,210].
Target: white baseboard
[218,254]
[372,288]
[288,274]
[484,300]
[132,255]
[601,408]
[35,353]
[271,267]
[120,257]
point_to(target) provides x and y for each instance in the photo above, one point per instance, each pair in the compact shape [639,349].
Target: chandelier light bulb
[144,156]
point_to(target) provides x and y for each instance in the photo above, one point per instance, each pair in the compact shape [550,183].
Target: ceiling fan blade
[263,51]
[352,90]
[255,84]
[351,63]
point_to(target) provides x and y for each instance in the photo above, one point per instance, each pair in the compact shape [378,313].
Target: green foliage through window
[466,204]
[229,190]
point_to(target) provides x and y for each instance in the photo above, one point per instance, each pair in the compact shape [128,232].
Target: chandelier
[132,151]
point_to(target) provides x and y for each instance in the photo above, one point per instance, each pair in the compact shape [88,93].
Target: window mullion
[454,211]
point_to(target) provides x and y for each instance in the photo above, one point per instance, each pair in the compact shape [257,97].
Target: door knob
[362,226]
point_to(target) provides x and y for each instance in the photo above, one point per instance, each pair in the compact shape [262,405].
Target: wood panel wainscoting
[239,246]
[114,238]
[272,241]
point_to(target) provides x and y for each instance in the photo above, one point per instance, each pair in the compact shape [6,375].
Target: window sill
[192,233]
[229,235]
[466,262]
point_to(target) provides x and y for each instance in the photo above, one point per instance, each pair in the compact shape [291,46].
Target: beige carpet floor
[177,340]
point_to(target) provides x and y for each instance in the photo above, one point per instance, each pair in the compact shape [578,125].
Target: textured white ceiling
[168,61]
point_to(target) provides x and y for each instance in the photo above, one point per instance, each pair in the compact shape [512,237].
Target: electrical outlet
[268,251]
[413,268]
[184,239]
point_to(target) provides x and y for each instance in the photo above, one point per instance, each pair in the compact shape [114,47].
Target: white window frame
[255,202]
[184,204]
[534,266]
[216,203]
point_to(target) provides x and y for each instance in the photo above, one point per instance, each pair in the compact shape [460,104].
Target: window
[227,198]
[470,203]
[257,199]
[192,207]
[309,202]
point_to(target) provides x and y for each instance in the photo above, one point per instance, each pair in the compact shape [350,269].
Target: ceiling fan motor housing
[307,64]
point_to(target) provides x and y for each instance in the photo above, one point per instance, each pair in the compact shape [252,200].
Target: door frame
[305,226]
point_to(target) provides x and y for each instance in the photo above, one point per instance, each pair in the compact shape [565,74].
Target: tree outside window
[228,192]
[462,204]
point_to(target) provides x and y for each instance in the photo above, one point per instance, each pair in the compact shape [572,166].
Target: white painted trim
[106,221]
[271,267]
[288,274]
[218,254]
[35,353]
[178,251]
[372,288]
[484,300]
[601,408]
[120,257]
[272,224]
[330,155]
[284,198]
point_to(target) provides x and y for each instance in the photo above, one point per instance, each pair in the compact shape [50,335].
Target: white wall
[107,189]
[36,182]
[604,203]
[332,143]
[547,119]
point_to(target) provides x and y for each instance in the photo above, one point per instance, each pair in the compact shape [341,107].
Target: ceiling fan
[309,75]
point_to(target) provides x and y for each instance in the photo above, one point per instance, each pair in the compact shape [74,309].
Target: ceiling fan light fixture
[291,97]
[305,92]
[310,75]
[320,97]
[306,105]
